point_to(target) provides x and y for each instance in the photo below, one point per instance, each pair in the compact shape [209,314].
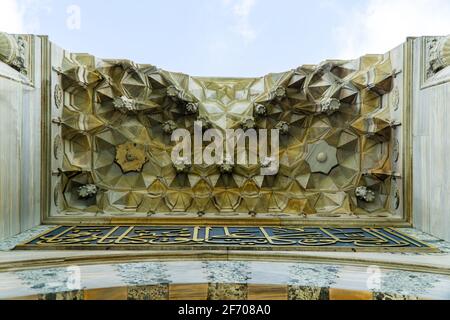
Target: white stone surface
[431,150]
[20,145]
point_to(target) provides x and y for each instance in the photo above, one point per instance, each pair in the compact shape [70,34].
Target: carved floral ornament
[279,93]
[191,108]
[283,126]
[260,110]
[169,126]
[87,191]
[329,105]
[182,165]
[124,105]
[248,123]
[365,194]
[227,166]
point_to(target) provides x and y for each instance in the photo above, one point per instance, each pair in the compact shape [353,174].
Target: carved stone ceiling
[336,143]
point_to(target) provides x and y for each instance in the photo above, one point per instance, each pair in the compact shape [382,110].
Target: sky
[243,38]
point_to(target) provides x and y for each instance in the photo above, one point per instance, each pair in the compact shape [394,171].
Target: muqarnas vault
[339,151]
[342,142]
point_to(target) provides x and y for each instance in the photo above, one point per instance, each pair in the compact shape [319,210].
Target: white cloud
[242,10]
[381,25]
[11,19]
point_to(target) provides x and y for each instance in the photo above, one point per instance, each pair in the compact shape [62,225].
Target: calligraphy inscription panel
[231,238]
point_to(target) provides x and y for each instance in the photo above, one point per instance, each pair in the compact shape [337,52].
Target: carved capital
[9,49]
[13,51]
[438,54]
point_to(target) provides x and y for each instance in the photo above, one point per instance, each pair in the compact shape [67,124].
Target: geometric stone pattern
[336,135]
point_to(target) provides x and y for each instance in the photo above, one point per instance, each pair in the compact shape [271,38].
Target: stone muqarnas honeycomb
[339,153]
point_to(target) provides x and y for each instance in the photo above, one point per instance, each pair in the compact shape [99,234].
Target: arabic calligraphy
[233,237]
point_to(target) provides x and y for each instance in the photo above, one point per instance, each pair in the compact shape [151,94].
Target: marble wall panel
[20,147]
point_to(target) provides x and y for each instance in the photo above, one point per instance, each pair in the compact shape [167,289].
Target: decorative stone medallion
[322,157]
[395,98]
[130,157]
[57,147]
[59,96]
